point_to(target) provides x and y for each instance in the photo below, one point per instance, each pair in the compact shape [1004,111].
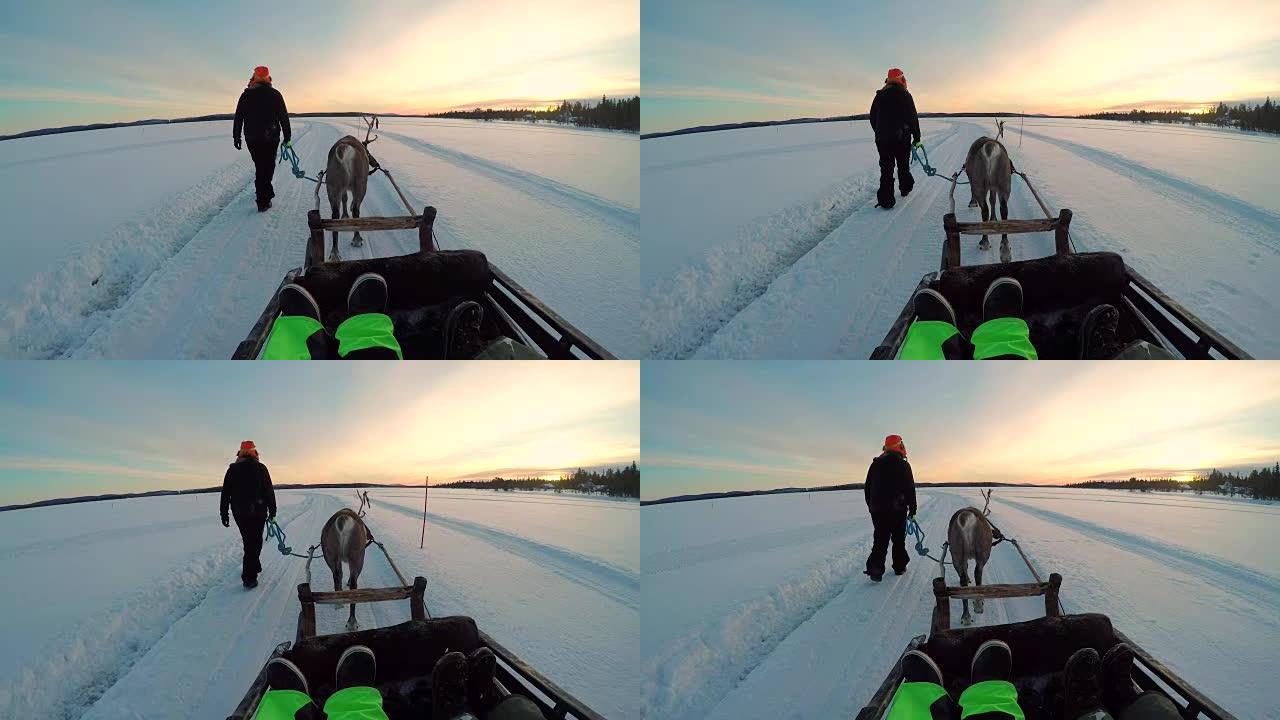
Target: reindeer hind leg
[984,243]
[962,569]
[356,565]
[333,249]
[356,241]
[978,604]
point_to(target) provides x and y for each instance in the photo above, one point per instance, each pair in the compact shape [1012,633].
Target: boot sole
[309,297]
[363,278]
[296,671]
[996,283]
[984,646]
[348,653]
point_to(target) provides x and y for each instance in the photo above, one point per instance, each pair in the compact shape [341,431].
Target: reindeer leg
[963,570]
[1006,255]
[337,580]
[978,604]
[333,251]
[984,244]
[356,241]
[357,564]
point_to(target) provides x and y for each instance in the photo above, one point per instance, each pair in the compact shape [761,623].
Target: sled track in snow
[110,150]
[542,188]
[1262,588]
[684,315]
[1258,223]
[666,561]
[102,650]
[762,152]
[618,584]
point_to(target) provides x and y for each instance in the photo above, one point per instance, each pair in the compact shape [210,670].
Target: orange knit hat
[895,76]
[260,75]
[248,448]
[894,443]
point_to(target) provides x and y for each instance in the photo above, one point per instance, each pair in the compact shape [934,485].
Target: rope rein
[930,170]
[275,531]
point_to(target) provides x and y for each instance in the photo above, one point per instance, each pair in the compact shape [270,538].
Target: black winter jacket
[246,488]
[893,114]
[262,113]
[890,486]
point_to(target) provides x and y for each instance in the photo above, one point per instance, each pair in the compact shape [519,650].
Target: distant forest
[608,113]
[1262,484]
[616,482]
[1264,117]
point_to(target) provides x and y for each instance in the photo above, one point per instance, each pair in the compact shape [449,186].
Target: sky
[715,426]
[69,429]
[66,63]
[719,61]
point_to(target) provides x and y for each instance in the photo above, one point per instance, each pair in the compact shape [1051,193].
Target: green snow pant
[353,703]
[987,700]
[297,337]
[938,340]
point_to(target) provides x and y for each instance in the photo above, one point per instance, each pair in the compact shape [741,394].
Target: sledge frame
[521,315]
[1148,672]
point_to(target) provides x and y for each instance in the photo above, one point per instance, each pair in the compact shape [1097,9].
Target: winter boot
[368,294]
[481,665]
[931,305]
[992,661]
[875,577]
[284,675]
[250,583]
[356,668]
[919,667]
[264,206]
[1003,299]
[449,686]
[1081,694]
[296,301]
[1098,333]
[1116,676]
[462,338]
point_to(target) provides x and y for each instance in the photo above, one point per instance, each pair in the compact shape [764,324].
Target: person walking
[262,114]
[891,498]
[247,491]
[897,127]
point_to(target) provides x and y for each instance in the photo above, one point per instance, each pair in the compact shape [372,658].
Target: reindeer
[348,172]
[344,539]
[990,174]
[969,536]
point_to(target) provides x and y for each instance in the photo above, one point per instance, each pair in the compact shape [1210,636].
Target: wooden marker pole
[426,482]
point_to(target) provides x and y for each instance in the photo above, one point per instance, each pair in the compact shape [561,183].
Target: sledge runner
[247,491]
[262,114]
[891,498]
[897,127]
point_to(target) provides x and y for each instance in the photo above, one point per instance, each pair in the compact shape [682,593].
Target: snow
[133,608]
[171,260]
[757,606]
[768,243]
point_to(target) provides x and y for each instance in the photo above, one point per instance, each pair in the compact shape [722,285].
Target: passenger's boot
[356,668]
[1116,677]
[449,687]
[1081,693]
[992,661]
[368,294]
[919,667]
[481,666]
[462,331]
[1098,339]
[1002,299]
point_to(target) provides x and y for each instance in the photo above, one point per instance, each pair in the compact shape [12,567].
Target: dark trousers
[888,526]
[251,529]
[894,152]
[264,160]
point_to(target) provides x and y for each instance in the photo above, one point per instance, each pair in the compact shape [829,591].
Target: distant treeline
[192,491]
[1264,117]
[1263,484]
[616,482]
[823,488]
[608,113]
[836,118]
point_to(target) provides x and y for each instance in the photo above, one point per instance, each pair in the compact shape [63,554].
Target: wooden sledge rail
[1009,227]
[943,594]
[1194,703]
[308,598]
[566,704]
[1060,226]
[517,302]
[361,595]
[1144,297]
[317,227]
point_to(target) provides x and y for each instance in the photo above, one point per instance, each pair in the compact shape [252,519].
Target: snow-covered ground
[757,607]
[765,242]
[134,609]
[144,242]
